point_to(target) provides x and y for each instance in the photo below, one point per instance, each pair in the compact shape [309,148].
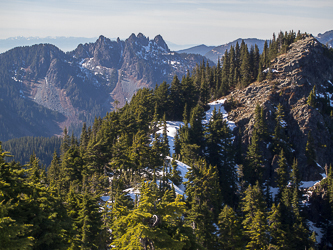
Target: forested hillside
[22,148]
[118,187]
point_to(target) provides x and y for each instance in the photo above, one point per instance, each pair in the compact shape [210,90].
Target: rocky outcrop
[134,63]
[294,74]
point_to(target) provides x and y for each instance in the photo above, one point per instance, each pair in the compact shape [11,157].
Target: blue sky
[211,22]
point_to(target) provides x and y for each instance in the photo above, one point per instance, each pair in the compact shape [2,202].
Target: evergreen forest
[116,186]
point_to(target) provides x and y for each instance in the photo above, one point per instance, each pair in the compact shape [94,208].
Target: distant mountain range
[326,38]
[214,53]
[199,49]
[43,89]
[63,43]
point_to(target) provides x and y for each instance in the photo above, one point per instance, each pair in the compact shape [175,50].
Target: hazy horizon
[210,22]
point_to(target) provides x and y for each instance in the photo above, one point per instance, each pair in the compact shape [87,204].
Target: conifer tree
[254,161]
[120,162]
[225,73]
[176,101]
[190,93]
[15,232]
[72,168]
[220,153]
[279,137]
[175,174]
[265,56]
[245,68]
[255,223]
[232,68]
[260,76]
[89,221]
[66,142]
[204,200]
[196,128]
[166,149]
[53,173]
[312,97]
[147,225]
[84,137]
[162,95]
[204,91]
[176,143]
[309,150]
[230,230]
[44,211]
[282,179]
[276,229]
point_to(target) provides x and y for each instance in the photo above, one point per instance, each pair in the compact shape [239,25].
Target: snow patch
[218,105]
[318,230]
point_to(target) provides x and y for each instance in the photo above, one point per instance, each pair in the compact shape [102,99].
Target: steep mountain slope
[326,38]
[294,75]
[45,89]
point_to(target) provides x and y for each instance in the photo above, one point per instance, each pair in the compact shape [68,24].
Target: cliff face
[134,63]
[293,76]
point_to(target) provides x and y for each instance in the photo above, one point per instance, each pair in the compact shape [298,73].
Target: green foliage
[282,179]
[276,229]
[255,221]
[175,174]
[152,223]
[220,153]
[309,150]
[62,208]
[312,98]
[230,230]
[202,184]
[14,232]
[22,148]
[254,161]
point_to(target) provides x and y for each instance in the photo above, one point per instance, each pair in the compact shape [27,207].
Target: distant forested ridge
[43,147]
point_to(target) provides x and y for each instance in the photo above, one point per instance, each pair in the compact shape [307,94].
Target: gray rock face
[295,73]
[138,62]
[84,83]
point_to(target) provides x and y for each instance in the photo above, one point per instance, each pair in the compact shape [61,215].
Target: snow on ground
[307,184]
[318,231]
[274,191]
[218,105]
[172,127]
[132,192]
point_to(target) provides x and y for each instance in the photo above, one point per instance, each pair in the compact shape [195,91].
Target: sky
[210,22]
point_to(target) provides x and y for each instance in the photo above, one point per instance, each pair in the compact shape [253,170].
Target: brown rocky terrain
[293,75]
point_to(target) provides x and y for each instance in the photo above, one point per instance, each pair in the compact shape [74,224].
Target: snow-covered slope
[172,128]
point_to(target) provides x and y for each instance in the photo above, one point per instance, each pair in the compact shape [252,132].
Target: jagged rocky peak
[142,39]
[294,74]
[160,42]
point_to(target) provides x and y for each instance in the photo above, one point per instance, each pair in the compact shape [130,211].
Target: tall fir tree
[255,222]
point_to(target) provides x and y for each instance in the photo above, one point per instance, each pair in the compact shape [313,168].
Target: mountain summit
[77,86]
